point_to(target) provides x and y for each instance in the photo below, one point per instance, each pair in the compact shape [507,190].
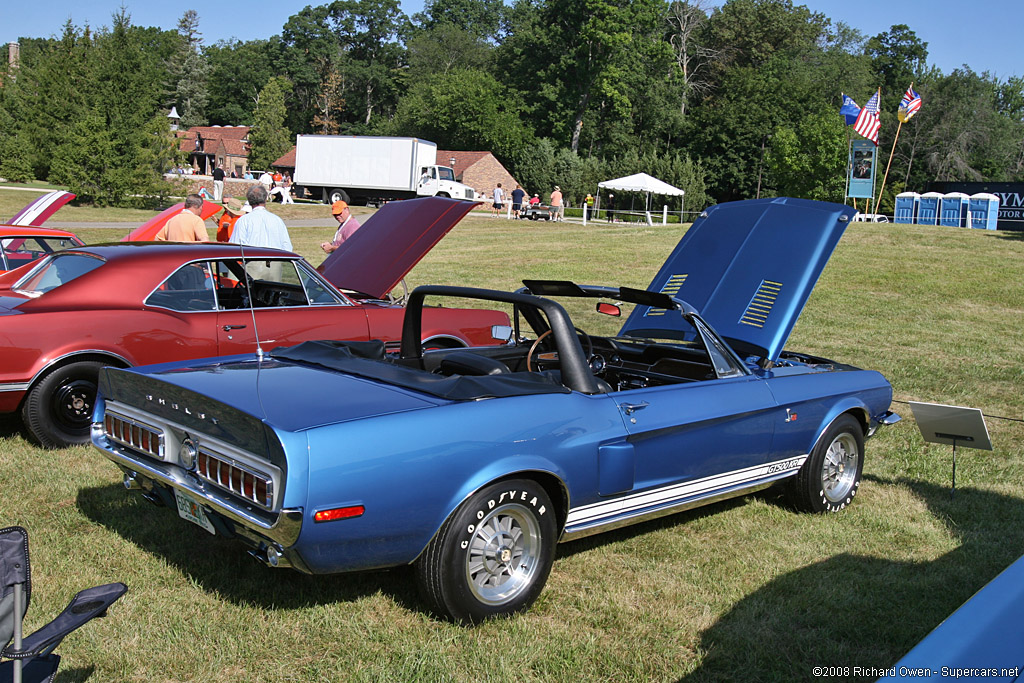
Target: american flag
[867,122]
[909,105]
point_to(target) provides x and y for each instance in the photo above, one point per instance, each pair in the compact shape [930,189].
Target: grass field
[744,590]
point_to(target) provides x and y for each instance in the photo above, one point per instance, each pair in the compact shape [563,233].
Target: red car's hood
[148,230]
[387,246]
[38,210]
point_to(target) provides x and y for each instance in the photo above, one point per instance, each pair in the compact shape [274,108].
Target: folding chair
[33,660]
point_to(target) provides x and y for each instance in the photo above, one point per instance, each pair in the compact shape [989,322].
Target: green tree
[238,71]
[368,32]
[464,109]
[269,138]
[570,57]
[898,57]
[82,162]
[191,94]
[53,89]
[443,48]
[480,19]
[808,159]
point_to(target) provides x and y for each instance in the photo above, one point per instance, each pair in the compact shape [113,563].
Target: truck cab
[440,181]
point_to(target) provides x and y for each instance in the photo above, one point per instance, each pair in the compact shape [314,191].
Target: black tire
[57,411]
[338,194]
[830,476]
[492,555]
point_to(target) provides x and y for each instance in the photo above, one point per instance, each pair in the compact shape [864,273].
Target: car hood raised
[387,246]
[147,231]
[748,268]
[39,209]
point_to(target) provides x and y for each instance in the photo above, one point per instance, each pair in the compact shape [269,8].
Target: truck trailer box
[372,163]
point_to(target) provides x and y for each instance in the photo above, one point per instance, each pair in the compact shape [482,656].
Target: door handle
[630,408]
[228,328]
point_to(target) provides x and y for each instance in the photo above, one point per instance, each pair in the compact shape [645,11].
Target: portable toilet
[928,208]
[984,211]
[906,207]
[953,211]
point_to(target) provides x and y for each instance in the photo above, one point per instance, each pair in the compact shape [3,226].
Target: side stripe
[596,513]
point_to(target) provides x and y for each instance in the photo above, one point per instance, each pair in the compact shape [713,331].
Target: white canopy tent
[641,182]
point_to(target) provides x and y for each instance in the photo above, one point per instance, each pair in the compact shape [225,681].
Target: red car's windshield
[55,271]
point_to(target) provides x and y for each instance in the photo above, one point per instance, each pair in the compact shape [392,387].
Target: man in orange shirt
[187,226]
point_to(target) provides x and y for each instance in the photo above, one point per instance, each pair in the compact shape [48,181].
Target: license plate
[190,509]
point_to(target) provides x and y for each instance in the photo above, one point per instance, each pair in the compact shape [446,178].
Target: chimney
[13,55]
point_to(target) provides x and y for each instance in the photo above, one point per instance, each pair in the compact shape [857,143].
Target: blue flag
[849,110]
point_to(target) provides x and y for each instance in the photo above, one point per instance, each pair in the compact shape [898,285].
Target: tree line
[727,103]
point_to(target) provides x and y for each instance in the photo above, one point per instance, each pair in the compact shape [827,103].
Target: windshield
[55,271]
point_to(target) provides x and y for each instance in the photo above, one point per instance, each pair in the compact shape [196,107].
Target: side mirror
[502,333]
[609,309]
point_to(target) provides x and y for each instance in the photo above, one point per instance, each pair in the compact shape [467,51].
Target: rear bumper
[281,529]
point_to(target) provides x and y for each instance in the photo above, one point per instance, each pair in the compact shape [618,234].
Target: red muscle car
[20,245]
[132,303]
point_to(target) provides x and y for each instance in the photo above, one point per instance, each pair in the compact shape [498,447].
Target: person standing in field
[218,184]
[499,200]
[555,210]
[517,201]
[187,226]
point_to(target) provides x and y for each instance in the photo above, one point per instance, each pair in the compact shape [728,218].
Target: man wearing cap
[556,204]
[187,226]
[346,226]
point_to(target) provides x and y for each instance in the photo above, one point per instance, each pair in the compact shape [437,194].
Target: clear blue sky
[985,34]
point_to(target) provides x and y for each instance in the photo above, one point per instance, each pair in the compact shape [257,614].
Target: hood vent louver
[760,307]
[671,287]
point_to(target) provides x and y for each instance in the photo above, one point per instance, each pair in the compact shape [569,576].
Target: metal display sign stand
[953,426]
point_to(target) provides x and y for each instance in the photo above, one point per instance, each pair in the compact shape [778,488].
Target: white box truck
[366,169]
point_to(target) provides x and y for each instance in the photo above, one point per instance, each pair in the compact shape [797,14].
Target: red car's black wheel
[58,409]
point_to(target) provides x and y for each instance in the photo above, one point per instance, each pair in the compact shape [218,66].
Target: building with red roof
[211,146]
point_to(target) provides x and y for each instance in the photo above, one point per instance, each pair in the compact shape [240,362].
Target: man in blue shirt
[517,201]
[260,228]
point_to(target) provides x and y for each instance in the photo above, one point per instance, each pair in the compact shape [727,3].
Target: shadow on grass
[75,675]
[223,566]
[1012,235]
[853,610]
[10,426]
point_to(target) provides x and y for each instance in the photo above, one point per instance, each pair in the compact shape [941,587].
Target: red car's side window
[190,288]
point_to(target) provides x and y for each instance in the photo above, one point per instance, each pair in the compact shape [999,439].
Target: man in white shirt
[266,180]
[499,200]
[260,228]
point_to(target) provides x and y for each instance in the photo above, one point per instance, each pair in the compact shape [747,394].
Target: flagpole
[872,201]
[892,152]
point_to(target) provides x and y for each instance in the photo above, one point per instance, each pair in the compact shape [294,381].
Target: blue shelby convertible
[473,463]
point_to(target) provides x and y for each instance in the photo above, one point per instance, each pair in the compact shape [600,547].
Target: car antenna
[252,309]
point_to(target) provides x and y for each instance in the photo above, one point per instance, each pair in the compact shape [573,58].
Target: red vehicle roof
[22,231]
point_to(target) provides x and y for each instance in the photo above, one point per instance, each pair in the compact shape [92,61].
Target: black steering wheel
[588,349]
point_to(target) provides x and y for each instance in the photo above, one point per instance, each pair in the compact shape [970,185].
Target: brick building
[285,163]
[211,146]
[479,170]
